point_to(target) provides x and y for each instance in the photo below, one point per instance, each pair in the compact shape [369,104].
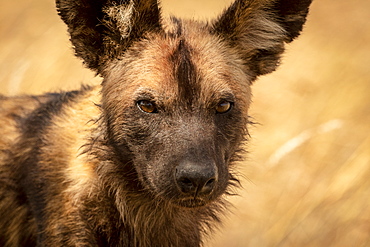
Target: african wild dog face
[176,93]
[180,103]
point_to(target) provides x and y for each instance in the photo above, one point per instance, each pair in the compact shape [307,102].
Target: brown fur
[89,168]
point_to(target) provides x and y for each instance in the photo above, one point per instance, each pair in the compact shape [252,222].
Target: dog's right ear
[258,30]
[101,30]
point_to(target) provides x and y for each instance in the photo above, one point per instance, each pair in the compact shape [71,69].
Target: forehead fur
[186,63]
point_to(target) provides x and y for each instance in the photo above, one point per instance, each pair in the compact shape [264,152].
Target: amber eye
[147,106]
[224,106]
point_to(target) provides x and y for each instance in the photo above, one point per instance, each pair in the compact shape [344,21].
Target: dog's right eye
[224,106]
[147,106]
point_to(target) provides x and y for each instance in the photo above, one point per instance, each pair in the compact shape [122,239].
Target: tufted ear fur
[102,29]
[258,29]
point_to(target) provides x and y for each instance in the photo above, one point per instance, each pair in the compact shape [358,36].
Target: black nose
[196,179]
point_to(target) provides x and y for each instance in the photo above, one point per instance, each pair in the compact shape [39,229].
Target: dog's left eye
[147,106]
[224,106]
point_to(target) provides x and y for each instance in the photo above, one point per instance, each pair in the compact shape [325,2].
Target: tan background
[307,176]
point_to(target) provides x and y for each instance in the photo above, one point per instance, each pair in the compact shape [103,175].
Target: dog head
[176,93]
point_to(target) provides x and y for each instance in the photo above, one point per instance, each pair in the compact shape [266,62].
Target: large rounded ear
[101,30]
[258,29]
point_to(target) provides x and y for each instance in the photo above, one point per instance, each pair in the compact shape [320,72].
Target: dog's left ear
[101,30]
[258,29]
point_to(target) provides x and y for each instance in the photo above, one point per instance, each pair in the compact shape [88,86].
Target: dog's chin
[183,201]
[190,202]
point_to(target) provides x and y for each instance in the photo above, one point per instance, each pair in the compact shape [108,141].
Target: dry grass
[308,171]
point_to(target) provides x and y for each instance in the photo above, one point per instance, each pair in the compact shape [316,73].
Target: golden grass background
[307,176]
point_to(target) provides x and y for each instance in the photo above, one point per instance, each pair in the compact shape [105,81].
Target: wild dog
[145,158]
